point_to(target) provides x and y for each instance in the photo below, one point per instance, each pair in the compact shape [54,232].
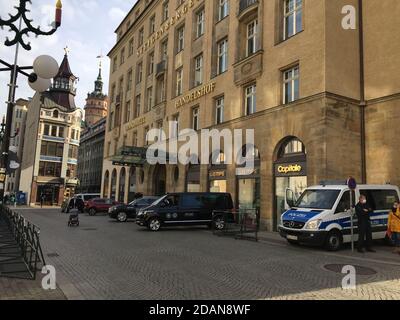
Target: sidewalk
[383,253]
[16,289]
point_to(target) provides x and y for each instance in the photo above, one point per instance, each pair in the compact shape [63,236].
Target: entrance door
[50,194]
[296,184]
[249,193]
[160,180]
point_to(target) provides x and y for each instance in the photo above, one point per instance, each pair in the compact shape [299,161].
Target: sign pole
[352,184]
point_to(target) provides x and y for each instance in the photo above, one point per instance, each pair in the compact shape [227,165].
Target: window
[252,37]
[46,130]
[200,23]
[223,9]
[222,56]
[380,199]
[219,110]
[138,105]
[165,9]
[151,63]
[179,84]
[293,20]
[164,50]
[139,75]
[135,139]
[61,132]
[113,88]
[122,58]
[149,98]
[152,25]
[52,149]
[180,39]
[291,85]
[141,37]
[250,92]
[128,112]
[55,114]
[344,203]
[54,131]
[131,47]
[146,136]
[294,146]
[174,129]
[49,169]
[195,119]
[73,152]
[115,63]
[198,70]
[129,80]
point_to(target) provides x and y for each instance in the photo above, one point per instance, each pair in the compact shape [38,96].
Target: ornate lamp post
[21,26]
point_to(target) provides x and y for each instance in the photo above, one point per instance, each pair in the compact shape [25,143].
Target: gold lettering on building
[195,95]
[136,123]
[289,169]
[180,13]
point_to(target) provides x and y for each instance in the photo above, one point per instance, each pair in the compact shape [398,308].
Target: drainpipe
[362,93]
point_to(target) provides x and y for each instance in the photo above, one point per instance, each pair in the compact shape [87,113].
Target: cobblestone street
[103,259]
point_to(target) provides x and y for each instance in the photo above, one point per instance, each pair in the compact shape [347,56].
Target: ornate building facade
[322,105]
[53,125]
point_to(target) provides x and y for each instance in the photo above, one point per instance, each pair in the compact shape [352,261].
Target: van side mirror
[289,198]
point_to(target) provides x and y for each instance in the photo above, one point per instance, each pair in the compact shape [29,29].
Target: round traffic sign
[352,183]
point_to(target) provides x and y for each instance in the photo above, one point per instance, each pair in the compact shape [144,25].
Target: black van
[186,209]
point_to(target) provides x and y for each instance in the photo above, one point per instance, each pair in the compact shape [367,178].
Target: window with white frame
[223,9]
[219,110]
[138,102]
[251,101]
[174,126]
[141,37]
[252,37]
[149,98]
[200,23]
[222,56]
[195,118]
[198,70]
[152,24]
[165,14]
[151,63]
[179,82]
[291,85]
[293,18]
[139,75]
[180,39]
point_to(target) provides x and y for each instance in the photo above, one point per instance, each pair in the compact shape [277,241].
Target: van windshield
[318,199]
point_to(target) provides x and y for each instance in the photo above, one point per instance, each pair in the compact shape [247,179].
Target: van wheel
[334,241]
[219,223]
[154,224]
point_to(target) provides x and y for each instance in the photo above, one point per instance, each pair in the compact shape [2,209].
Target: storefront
[248,181]
[290,173]
[49,193]
[217,174]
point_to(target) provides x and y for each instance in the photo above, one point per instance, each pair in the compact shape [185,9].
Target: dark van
[189,209]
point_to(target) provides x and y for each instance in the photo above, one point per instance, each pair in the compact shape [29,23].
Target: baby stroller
[75,206]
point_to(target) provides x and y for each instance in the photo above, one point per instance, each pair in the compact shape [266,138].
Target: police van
[322,214]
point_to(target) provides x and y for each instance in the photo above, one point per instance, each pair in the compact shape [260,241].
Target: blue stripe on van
[299,216]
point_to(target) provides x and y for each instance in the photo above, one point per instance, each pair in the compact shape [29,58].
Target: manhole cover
[53,255]
[362,271]
[89,229]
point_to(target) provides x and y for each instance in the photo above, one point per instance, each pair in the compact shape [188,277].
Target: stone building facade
[53,125]
[323,100]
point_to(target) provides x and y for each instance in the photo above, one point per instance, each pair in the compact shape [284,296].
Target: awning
[130,156]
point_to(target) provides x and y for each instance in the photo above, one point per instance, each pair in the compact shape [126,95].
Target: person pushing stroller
[75,206]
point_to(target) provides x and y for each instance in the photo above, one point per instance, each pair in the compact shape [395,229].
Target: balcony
[161,68]
[246,6]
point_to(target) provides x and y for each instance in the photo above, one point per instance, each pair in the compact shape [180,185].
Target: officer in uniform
[363,212]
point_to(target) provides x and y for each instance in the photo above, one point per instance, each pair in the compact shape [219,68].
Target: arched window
[106,184]
[292,147]
[113,184]
[56,114]
[121,192]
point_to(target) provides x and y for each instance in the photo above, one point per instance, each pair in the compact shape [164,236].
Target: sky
[87,29]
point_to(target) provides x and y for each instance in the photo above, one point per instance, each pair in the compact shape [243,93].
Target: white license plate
[295,238]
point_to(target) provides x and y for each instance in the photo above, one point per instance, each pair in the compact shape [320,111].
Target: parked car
[98,205]
[186,209]
[87,196]
[123,212]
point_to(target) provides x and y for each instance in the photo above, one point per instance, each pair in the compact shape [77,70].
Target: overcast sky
[87,29]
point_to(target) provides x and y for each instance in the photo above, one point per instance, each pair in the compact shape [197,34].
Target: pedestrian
[42,198]
[394,226]
[363,212]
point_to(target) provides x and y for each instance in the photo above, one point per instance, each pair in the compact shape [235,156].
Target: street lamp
[44,66]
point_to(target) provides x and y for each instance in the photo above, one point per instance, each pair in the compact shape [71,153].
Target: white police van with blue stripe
[322,215]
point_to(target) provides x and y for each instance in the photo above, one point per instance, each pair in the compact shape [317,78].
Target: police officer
[363,212]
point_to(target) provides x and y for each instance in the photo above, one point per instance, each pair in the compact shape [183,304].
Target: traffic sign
[352,183]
